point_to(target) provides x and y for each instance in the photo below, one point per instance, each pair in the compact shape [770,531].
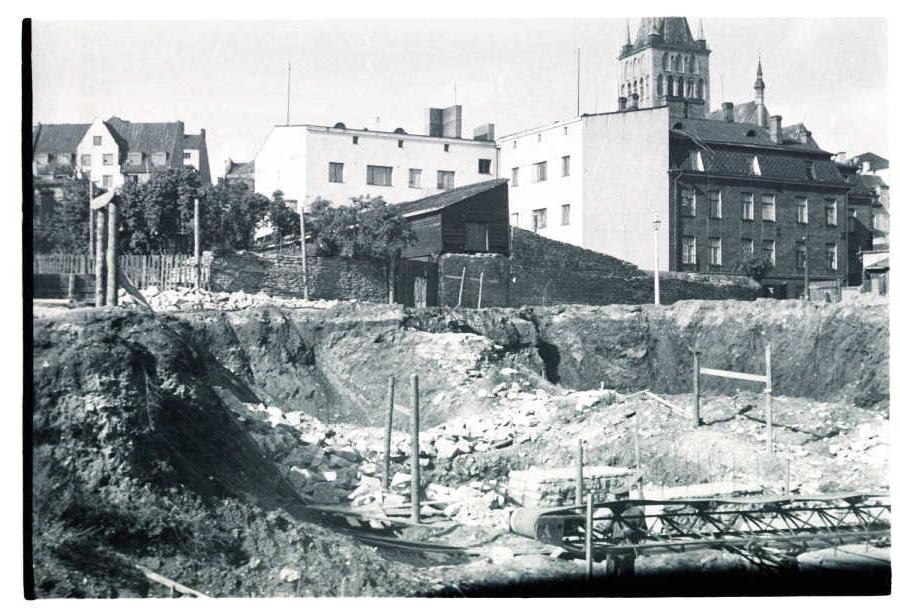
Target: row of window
[539,171]
[108,159]
[400,143]
[748,206]
[540,137]
[383,175]
[539,217]
[714,245]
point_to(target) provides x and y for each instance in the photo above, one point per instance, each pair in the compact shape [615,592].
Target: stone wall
[282,275]
[556,486]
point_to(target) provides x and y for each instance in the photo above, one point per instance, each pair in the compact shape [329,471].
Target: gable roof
[746,112]
[61,138]
[446,198]
[147,138]
[193,140]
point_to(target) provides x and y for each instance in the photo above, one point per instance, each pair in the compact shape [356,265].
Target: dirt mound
[137,460]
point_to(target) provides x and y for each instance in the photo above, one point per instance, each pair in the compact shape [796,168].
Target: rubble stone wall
[330,278]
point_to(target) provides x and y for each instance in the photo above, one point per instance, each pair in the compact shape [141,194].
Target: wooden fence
[161,270]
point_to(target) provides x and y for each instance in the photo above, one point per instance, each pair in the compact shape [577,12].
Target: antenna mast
[289,95]
[578,82]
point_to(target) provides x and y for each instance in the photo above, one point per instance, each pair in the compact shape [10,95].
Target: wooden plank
[733,375]
[168,582]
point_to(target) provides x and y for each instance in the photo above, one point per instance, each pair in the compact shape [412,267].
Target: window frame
[693,203]
[764,206]
[97,140]
[335,172]
[371,175]
[539,213]
[565,215]
[159,159]
[744,202]
[107,160]
[566,166]
[414,184]
[514,178]
[692,259]
[133,155]
[442,175]
[88,157]
[482,226]
[715,261]
[714,212]
[801,203]
[481,164]
[539,172]
[831,214]
[831,255]
[801,248]
[771,250]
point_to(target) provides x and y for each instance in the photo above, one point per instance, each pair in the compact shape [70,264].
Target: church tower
[664,64]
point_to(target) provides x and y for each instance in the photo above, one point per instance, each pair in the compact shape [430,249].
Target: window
[98,140]
[800,253]
[445,179]
[515,176]
[446,148]
[399,143]
[484,166]
[715,251]
[811,170]
[769,250]
[746,249]
[63,159]
[715,204]
[566,212]
[565,131]
[85,160]
[754,167]
[688,202]
[134,158]
[43,159]
[415,178]
[688,251]
[802,210]
[335,172]
[515,219]
[356,139]
[539,172]
[747,206]
[831,212]
[186,154]
[768,207]
[697,161]
[378,175]
[476,237]
[107,160]
[159,158]
[831,256]
[514,144]
[107,182]
[565,165]
[539,137]
[539,219]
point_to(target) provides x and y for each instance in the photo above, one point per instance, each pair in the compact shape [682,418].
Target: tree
[366,227]
[156,214]
[754,267]
[283,220]
[229,215]
[65,229]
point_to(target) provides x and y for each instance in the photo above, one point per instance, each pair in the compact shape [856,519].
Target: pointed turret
[759,87]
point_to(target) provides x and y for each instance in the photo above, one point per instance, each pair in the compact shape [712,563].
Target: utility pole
[197,243]
[112,258]
[289,95]
[303,251]
[100,260]
[91,218]
[656,223]
[577,82]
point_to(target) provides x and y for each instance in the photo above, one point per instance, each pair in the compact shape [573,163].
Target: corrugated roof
[59,138]
[446,198]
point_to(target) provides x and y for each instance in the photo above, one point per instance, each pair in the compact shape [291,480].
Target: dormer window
[697,161]
[754,167]
[159,158]
[751,133]
[810,170]
[43,159]
[135,158]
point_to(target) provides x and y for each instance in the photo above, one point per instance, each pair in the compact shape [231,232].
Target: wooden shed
[466,220]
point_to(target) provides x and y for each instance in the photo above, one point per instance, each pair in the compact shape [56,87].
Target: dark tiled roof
[147,138]
[791,135]
[673,30]
[58,139]
[871,181]
[242,169]
[447,198]
[876,162]
[774,164]
[743,113]
[711,130]
[193,141]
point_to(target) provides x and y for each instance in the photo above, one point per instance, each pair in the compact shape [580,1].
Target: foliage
[153,214]
[229,215]
[65,228]
[755,267]
[283,220]
[366,227]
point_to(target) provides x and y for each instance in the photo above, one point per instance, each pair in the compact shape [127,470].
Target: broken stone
[289,575]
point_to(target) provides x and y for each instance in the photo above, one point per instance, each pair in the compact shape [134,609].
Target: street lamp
[656,223]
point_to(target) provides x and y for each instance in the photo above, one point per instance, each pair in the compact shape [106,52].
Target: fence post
[579,474]
[414,447]
[768,397]
[112,254]
[480,285]
[197,243]
[100,260]
[637,455]
[388,424]
[462,282]
[70,289]
[696,413]
[588,536]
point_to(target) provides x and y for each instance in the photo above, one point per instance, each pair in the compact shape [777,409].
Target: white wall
[108,146]
[627,184]
[295,159]
[524,149]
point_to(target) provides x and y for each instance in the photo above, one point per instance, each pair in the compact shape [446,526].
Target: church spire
[627,33]
[759,87]
[700,35]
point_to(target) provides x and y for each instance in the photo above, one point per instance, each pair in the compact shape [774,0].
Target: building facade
[337,163]
[715,190]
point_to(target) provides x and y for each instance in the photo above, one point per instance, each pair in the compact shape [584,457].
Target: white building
[597,181]
[306,162]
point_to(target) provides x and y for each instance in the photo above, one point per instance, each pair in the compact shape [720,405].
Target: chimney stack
[484,132]
[728,112]
[623,103]
[775,129]
[634,101]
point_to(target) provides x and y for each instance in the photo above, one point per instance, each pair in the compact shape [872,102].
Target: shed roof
[447,198]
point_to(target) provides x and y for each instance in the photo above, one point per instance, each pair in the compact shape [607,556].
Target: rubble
[191,299]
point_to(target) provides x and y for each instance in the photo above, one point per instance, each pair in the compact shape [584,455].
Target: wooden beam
[734,375]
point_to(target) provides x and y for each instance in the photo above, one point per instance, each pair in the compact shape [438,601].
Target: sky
[230,77]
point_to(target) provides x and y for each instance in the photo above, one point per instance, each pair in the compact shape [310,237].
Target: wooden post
[696,413]
[787,478]
[588,536]
[112,251]
[637,455]
[414,447]
[100,260]
[462,282]
[91,218]
[303,253]
[579,475]
[768,397]
[388,425]
[480,286]
[70,289]
[197,262]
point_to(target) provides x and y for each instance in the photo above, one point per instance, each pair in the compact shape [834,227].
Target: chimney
[202,133]
[484,133]
[728,112]
[435,122]
[453,121]
[623,103]
[634,101]
[775,129]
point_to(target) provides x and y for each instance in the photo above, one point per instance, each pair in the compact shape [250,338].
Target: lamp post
[656,223]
